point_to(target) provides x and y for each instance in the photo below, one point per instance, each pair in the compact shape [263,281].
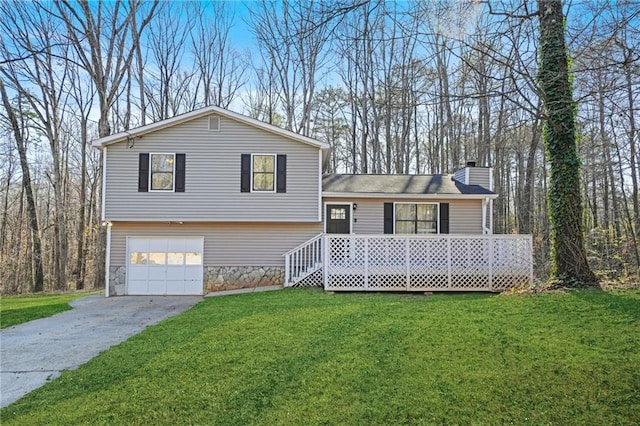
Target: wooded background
[393,87]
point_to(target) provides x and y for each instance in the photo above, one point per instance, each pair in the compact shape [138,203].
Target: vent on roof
[214,123]
[471,163]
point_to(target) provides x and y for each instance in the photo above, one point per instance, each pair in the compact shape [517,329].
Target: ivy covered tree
[568,256]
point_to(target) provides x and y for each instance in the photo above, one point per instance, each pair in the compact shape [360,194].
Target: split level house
[213,200]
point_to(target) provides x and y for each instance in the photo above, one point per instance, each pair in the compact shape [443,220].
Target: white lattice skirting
[427,263]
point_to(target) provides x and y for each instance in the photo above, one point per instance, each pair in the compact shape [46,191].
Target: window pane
[175,258]
[427,227]
[162,181]
[138,258]
[194,259]
[156,258]
[263,181]
[405,211]
[338,213]
[426,212]
[405,227]
[162,162]
[264,163]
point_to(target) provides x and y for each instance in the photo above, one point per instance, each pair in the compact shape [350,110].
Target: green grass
[18,309]
[306,357]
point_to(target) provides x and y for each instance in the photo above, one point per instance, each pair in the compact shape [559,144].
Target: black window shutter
[180,172]
[245,173]
[281,175]
[444,218]
[143,172]
[388,218]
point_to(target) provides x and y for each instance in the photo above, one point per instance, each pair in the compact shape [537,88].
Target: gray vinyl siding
[480,176]
[460,175]
[212,176]
[477,176]
[225,244]
[465,216]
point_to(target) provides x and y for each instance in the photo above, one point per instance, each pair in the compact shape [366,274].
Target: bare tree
[19,137]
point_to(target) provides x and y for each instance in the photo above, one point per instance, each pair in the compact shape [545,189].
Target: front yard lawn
[303,356]
[18,309]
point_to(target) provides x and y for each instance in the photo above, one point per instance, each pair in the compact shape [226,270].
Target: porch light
[355,207]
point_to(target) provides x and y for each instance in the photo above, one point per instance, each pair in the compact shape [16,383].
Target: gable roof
[403,186]
[199,113]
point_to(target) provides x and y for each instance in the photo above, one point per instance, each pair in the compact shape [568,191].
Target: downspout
[490,216]
[486,205]
[107,260]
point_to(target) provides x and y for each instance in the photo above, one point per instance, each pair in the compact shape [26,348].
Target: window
[193,258]
[214,123]
[416,218]
[139,258]
[338,213]
[162,172]
[263,173]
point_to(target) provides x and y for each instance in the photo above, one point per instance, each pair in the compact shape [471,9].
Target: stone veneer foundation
[216,278]
[117,280]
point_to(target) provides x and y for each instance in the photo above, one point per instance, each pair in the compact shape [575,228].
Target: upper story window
[263,172]
[162,171]
[416,218]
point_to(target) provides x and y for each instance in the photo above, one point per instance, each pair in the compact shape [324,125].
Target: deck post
[407,259]
[449,263]
[490,261]
[327,262]
[366,263]
[287,271]
[530,241]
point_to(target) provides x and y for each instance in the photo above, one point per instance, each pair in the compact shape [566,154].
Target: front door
[338,218]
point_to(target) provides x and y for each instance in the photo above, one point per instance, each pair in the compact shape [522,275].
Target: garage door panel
[157,265]
[138,287]
[138,273]
[176,287]
[192,273]
[193,245]
[192,287]
[178,245]
[156,244]
[138,245]
[175,273]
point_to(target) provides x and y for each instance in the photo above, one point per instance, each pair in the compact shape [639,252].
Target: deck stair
[303,264]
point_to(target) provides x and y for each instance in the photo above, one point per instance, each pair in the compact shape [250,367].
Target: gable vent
[214,123]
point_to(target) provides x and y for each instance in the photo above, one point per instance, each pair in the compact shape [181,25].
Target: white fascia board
[412,196]
[140,131]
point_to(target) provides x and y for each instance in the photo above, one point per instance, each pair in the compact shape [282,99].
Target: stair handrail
[303,260]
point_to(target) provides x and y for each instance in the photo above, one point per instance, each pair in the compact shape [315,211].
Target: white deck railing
[303,260]
[427,263]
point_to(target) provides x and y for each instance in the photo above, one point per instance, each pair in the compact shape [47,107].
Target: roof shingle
[399,184]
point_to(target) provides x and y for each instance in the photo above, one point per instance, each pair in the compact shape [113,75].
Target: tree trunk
[38,275]
[568,255]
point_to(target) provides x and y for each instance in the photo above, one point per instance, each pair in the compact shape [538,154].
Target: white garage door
[164,266]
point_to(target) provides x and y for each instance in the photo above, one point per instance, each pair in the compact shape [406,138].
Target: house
[213,200]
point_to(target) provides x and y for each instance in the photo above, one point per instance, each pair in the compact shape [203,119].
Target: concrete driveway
[35,352]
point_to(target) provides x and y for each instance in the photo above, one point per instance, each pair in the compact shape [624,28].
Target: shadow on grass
[623,302]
